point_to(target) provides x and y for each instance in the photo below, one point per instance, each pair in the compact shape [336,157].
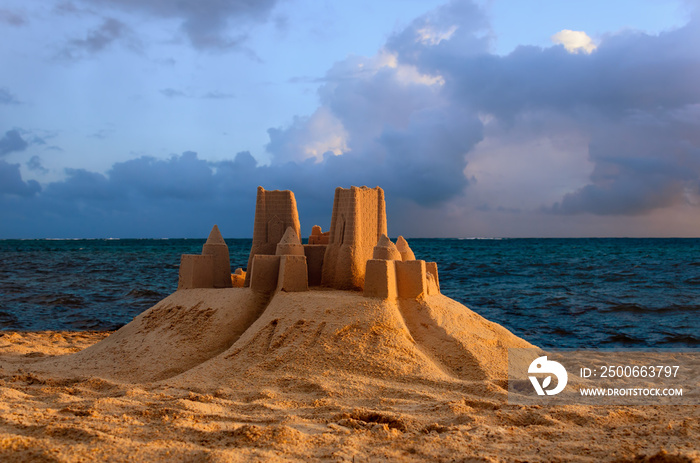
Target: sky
[491,118]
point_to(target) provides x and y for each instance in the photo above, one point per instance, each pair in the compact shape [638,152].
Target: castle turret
[404,249]
[386,250]
[318,236]
[275,211]
[357,223]
[216,246]
[290,244]
[211,269]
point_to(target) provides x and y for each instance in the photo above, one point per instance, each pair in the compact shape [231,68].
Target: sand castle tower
[211,269]
[357,223]
[275,211]
[290,244]
[318,236]
[286,270]
[386,250]
[356,246]
[216,246]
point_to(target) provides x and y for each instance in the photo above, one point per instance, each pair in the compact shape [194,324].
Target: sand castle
[349,308]
[355,254]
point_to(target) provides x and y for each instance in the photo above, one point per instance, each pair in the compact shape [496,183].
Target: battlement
[394,272]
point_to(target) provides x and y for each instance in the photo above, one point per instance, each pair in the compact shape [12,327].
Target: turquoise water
[556,293]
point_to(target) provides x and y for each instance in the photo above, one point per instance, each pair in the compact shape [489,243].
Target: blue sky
[151,118]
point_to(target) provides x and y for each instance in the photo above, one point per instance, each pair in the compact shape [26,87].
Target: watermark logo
[543,366]
[603,377]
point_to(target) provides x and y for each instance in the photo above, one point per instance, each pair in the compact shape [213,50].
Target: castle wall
[380,279]
[357,223]
[275,211]
[279,273]
[391,279]
[410,278]
[293,275]
[196,271]
[314,260]
[263,272]
[432,278]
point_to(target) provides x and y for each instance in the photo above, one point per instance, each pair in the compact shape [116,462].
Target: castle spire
[215,236]
[404,249]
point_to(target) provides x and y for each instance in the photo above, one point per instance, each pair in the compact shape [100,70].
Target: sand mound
[181,331]
[209,338]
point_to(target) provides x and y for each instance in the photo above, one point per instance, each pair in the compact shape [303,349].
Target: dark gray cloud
[11,142]
[180,196]
[642,162]
[172,93]
[216,95]
[97,40]
[12,18]
[7,97]
[207,24]
[11,183]
[101,134]
[35,164]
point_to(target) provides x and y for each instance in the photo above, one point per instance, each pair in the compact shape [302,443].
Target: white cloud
[429,35]
[325,134]
[574,41]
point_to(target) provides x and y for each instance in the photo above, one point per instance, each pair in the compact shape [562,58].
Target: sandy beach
[365,386]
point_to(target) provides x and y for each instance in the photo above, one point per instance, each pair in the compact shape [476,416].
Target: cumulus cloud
[635,101]
[309,137]
[385,121]
[574,41]
[207,24]
[11,142]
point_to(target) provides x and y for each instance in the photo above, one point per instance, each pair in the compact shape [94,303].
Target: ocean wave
[622,338]
[682,339]
[637,308]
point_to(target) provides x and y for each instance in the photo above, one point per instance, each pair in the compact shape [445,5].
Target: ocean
[556,293]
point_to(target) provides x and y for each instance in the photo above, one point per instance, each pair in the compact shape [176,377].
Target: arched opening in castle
[355,254]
